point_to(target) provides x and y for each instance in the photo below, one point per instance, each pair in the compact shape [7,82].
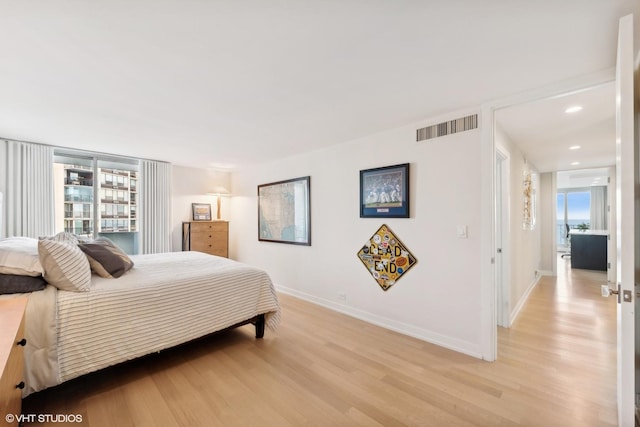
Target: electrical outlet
[342,296]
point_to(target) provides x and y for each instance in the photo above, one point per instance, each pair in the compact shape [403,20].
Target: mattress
[165,300]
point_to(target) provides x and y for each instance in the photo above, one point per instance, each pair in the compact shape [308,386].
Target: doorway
[539,136]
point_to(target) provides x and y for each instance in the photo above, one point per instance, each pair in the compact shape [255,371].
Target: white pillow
[65,266]
[19,256]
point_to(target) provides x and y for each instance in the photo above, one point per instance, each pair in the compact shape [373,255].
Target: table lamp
[219,191]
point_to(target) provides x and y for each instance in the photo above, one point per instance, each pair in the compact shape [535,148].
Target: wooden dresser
[211,237]
[12,344]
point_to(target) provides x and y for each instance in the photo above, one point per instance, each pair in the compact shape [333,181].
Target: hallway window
[573,208]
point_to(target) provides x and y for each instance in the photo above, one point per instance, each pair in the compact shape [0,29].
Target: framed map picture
[284,211]
[384,192]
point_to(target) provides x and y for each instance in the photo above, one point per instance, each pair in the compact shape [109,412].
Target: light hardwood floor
[556,367]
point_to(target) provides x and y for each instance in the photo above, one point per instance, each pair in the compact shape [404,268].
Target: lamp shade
[219,191]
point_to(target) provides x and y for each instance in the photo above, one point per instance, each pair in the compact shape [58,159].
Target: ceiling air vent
[447,128]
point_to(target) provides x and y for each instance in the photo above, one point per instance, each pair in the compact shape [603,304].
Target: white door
[626,163]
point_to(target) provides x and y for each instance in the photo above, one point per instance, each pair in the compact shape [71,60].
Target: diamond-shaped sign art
[386,257]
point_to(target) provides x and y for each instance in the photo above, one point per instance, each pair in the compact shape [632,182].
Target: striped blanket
[165,300]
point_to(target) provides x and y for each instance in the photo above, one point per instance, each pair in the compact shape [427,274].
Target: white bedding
[165,300]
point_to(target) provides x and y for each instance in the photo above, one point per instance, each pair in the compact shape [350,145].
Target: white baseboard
[518,308]
[454,344]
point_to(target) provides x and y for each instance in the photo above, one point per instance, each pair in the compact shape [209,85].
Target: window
[91,207]
[574,209]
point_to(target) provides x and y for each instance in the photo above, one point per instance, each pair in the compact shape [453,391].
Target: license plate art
[386,258]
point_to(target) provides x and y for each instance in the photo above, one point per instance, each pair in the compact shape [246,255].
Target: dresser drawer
[207,245]
[207,227]
[12,374]
[208,237]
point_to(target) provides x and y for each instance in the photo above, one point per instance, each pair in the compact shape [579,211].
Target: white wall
[439,299]
[524,243]
[548,255]
[191,185]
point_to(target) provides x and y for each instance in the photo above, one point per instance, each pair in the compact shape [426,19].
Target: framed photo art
[201,211]
[384,192]
[284,211]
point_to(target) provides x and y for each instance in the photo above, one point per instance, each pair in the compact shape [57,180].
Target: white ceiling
[545,132]
[235,82]
[582,178]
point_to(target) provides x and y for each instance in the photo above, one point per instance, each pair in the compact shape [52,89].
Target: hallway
[564,341]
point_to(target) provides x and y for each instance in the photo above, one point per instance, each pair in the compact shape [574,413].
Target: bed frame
[258,321]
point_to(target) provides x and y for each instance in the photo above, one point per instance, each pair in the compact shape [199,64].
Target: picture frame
[201,211]
[384,192]
[284,211]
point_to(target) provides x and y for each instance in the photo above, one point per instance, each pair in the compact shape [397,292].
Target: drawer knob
[22,342]
[20,385]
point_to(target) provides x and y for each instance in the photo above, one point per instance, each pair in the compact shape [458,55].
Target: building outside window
[97,196]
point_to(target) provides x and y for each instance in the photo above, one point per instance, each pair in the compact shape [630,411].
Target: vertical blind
[598,208]
[28,201]
[155,206]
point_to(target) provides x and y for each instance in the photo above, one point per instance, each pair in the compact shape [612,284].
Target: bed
[162,301]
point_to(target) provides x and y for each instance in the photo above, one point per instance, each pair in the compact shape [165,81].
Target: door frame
[502,227]
[612,244]
[489,336]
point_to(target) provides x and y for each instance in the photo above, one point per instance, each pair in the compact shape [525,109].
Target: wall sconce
[219,192]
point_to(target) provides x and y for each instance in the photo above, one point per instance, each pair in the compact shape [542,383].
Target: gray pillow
[14,284]
[106,258]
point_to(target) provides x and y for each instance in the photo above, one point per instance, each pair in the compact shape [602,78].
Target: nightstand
[12,344]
